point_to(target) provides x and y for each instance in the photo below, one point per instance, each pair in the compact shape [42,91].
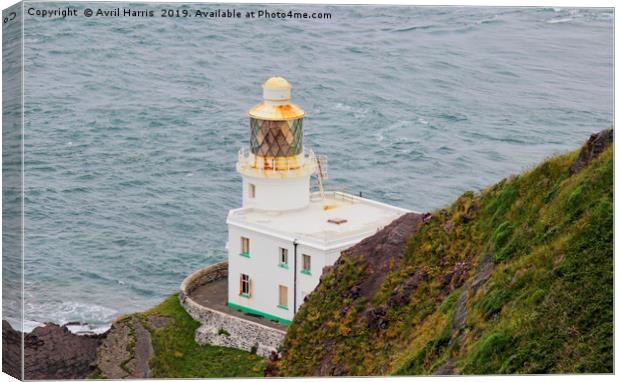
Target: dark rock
[402,293]
[273,356]
[376,318]
[271,369]
[593,148]
[50,352]
[384,249]
[353,292]
[11,350]
[455,278]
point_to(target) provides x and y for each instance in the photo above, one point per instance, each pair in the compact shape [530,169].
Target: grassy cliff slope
[515,279]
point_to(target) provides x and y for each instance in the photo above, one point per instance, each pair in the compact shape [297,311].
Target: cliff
[515,279]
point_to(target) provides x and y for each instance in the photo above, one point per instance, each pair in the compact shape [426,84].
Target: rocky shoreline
[50,352]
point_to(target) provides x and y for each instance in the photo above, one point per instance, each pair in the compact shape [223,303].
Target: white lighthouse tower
[283,236]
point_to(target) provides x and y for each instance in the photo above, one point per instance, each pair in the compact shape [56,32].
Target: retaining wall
[221,329]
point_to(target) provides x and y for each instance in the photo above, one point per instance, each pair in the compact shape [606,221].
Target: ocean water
[132,125]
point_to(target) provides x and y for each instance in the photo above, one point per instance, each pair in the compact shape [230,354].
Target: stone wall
[221,329]
[204,276]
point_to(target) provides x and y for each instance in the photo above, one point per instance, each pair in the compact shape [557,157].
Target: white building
[283,235]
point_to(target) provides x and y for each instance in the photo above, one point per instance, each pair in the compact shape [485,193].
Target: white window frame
[245,285]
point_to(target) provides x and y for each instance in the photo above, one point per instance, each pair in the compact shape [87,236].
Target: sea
[132,124]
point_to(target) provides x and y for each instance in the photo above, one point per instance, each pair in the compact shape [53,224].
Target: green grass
[546,308]
[177,355]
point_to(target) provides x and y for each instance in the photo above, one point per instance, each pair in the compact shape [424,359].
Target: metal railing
[336,195]
[304,163]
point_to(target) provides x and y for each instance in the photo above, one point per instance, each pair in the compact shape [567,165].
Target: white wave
[83,328]
[98,317]
[557,21]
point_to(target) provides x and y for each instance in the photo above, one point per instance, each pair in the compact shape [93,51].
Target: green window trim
[283,265]
[306,272]
[282,307]
[245,254]
[257,312]
[244,295]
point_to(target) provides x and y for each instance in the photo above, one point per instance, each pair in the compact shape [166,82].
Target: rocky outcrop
[483,272]
[50,352]
[383,250]
[126,351]
[593,147]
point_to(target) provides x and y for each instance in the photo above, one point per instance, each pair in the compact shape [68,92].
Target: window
[245,246]
[283,258]
[305,269]
[251,190]
[245,286]
[282,297]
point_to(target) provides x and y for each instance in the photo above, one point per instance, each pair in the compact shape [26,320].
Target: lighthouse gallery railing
[258,165]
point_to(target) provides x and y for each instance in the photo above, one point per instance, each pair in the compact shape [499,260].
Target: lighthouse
[275,168]
[284,235]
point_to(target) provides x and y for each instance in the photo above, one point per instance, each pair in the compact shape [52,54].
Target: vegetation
[542,302]
[177,355]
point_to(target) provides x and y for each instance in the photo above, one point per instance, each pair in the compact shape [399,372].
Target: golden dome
[276,82]
[276,105]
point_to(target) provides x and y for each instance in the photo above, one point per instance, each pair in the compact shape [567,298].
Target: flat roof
[358,218]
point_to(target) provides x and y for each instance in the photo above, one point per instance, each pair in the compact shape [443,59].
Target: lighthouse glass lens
[276,138]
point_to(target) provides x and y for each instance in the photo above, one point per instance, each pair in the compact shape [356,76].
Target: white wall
[277,194]
[266,275]
[262,267]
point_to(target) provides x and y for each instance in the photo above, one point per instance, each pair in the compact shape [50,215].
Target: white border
[552,3]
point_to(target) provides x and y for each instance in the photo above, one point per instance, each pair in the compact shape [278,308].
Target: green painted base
[256,312]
